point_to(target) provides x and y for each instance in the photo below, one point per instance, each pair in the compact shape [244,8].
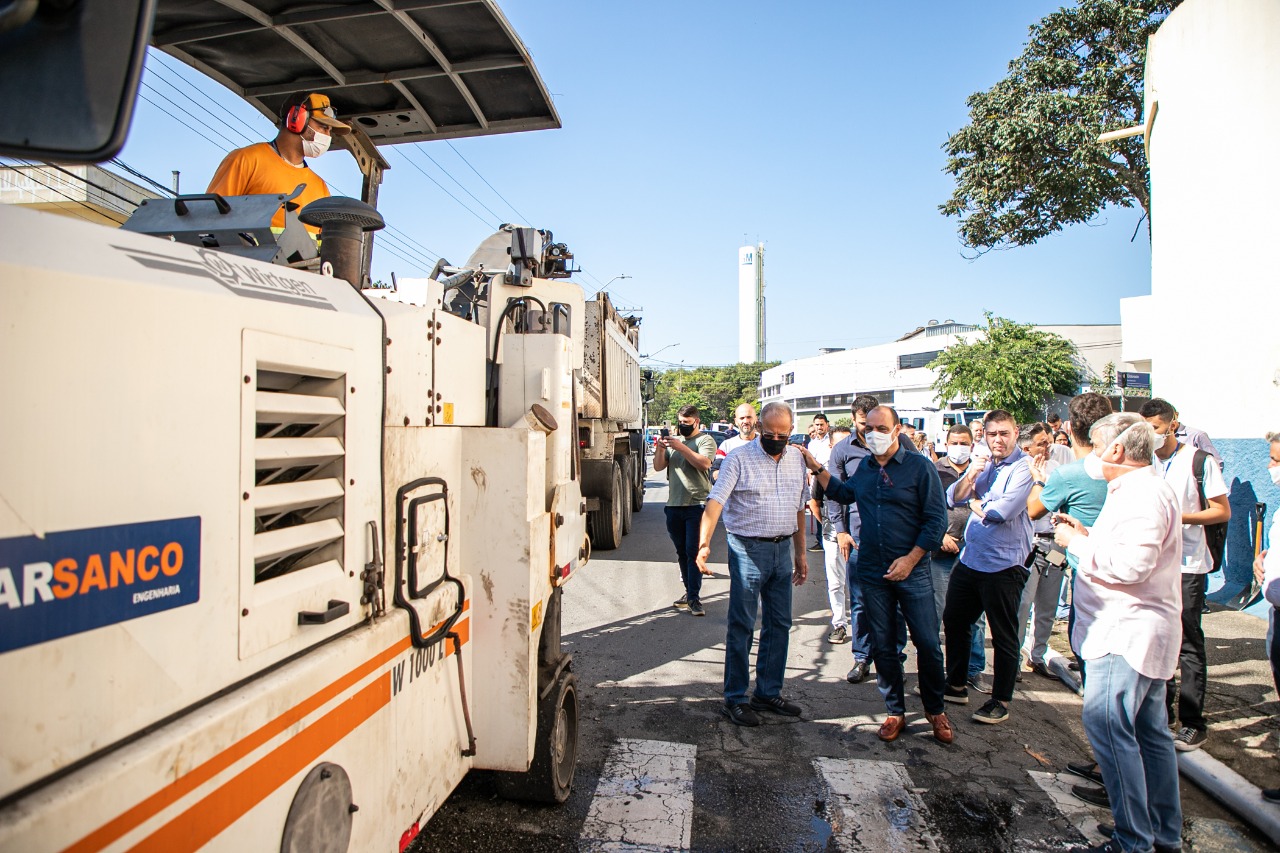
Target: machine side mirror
[69,74]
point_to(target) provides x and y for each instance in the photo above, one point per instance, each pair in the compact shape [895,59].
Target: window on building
[809,403]
[788,378]
[917,359]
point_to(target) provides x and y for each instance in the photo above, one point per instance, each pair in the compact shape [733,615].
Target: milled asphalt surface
[648,671]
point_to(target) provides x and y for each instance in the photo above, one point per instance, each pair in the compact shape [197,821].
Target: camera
[1052,556]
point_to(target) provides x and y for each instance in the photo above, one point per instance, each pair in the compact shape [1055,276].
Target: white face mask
[878,442]
[958,453]
[1275,474]
[316,146]
[1093,466]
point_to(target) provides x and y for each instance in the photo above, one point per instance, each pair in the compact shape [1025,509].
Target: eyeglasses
[885,478]
[776,436]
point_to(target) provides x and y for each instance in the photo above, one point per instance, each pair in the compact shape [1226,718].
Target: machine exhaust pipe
[343,222]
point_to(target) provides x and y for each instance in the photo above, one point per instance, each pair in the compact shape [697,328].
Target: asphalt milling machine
[282,555]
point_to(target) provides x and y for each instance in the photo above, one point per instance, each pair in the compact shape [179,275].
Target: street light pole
[655,352]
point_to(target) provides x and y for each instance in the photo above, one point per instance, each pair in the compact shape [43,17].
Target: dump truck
[610,423]
[281,558]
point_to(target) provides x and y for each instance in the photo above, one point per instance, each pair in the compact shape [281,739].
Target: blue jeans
[759,572]
[682,526]
[941,572]
[859,629]
[1128,727]
[912,597]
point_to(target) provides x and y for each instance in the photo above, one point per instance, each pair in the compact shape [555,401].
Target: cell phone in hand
[664,432]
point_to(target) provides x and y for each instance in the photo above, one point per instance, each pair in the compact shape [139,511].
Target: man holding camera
[991,570]
[687,461]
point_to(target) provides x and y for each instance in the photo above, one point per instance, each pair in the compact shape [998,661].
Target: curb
[1232,790]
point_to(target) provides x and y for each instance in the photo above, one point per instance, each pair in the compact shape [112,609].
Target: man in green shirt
[687,460]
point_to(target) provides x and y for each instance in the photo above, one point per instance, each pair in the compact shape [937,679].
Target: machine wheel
[625,494]
[549,778]
[606,522]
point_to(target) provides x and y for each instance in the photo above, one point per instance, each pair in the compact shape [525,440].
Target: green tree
[1029,161]
[1011,366]
[1107,382]
[716,391]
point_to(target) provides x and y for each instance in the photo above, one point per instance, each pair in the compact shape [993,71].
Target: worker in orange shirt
[307,122]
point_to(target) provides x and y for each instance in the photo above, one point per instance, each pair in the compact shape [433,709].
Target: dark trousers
[1191,660]
[887,604]
[969,595]
[682,526]
[1273,645]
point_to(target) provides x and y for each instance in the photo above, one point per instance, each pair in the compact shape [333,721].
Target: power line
[203,110]
[208,98]
[132,171]
[88,182]
[523,218]
[178,120]
[445,191]
[459,183]
[69,200]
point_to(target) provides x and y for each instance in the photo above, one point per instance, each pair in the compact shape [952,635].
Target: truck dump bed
[611,365]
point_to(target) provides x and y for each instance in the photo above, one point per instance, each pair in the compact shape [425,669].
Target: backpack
[1215,535]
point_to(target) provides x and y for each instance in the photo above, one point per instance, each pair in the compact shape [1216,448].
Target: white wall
[1213,69]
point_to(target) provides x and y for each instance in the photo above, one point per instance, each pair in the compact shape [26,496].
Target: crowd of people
[1111,519]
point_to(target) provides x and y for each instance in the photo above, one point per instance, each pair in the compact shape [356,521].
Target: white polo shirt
[1177,472]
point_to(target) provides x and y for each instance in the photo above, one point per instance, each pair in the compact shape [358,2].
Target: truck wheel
[637,486]
[606,522]
[625,494]
[549,778]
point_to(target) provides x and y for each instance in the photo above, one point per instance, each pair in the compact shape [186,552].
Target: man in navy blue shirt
[845,458]
[904,517]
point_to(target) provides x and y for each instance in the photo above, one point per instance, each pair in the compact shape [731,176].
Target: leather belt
[774,539]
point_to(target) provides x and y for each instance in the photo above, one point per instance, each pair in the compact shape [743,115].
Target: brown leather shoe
[891,728]
[942,730]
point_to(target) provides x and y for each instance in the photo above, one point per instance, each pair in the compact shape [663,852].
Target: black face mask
[773,446]
[686,430]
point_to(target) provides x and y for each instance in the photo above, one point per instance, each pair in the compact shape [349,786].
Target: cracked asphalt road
[650,672]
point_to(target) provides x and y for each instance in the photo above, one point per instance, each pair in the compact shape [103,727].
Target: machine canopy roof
[400,70]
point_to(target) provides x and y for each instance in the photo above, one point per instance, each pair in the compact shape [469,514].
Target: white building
[896,374]
[1208,331]
[85,192]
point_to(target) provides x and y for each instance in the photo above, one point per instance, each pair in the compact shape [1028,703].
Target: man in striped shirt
[761,492]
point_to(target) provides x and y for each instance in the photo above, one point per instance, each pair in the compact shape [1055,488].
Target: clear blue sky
[815,128]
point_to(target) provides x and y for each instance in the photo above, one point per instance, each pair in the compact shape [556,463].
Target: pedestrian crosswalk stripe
[872,806]
[1082,816]
[644,800]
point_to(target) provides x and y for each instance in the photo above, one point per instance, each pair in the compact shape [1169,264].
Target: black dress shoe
[861,669]
[1086,770]
[1094,795]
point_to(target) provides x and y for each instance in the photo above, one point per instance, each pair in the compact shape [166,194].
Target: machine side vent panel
[299,472]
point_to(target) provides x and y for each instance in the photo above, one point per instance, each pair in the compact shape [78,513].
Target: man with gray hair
[761,491]
[1129,629]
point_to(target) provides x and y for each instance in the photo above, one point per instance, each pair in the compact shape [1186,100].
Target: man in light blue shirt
[989,574]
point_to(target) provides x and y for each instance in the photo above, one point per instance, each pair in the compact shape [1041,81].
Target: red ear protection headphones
[295,121]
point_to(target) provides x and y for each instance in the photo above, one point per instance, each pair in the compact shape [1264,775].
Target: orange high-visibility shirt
[258,169]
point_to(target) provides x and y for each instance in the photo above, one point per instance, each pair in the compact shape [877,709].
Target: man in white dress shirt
[1128,596]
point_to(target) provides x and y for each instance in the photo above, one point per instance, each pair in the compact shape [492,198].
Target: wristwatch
[1039,483]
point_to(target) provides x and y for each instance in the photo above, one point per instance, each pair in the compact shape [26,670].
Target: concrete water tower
[751,344]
